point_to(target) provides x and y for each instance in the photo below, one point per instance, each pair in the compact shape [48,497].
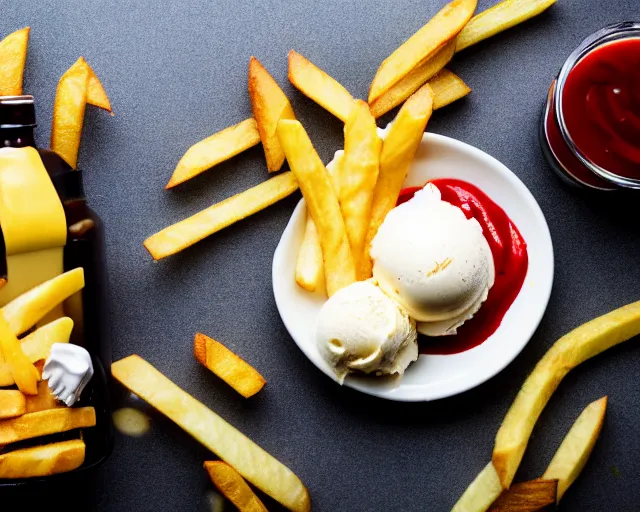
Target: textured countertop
[176,73]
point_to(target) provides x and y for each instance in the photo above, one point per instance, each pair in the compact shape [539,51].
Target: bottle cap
[17,112]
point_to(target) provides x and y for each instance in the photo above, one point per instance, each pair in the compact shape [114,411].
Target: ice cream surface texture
[433,261]
[360,329]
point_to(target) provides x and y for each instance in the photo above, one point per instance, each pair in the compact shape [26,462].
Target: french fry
[309,266]
[422,45]
[37,345]
[25,311]
[413,81]
[131,422]
[12,403]
[52,421]
[251,461]
[499,18]
[13,57]
[447,87]
[582,343]
[72,97]
[528,496]
[482,492]
[45,460]
[25,375]
[269,104]
[183,234]
[322,204]
[217,148]
[398,150]
[576,447]
[232,369]
[44,400]
[230,483]
[358,179]
[314,83]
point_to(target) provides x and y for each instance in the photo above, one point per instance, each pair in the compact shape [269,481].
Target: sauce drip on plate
[509,256]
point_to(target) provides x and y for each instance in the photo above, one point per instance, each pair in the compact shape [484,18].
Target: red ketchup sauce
[601,106]
[510,259]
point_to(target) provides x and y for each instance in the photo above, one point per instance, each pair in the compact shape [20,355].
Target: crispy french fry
[573,453]
[25,311]
[25,375]
[231,368]
[230,483]
[582,343]
[413,81]
[269,104]
[251,461]
[398,150]
[96,95]
[358,179]
[309,266]
[12,403]
[322,88]
[217,148]
[447,87]
[499,18]
[44,400]
[47,422]
[322,204]
[13,57]
[528,496]
[482,492]
[185,233]
[422,45]
[45,460]
[37,345]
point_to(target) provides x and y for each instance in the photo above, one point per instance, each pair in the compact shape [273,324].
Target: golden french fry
[13,57]
[413,81]
[582,343]
[398,150]
[447,87]
[25,375]
[498,18]
[217,148]
[25,311]
[269,104]
[12,403]
[42,423]
[322,204]
[68,112]
[422,45]
[482,492]
[322,88]
[358,178]
[96,95]
[231,368]
[251,461]
[45,460]
[185,233]
[573,453]
[528,496]
[309,266]
[44,400]
[37,345]
[230,483]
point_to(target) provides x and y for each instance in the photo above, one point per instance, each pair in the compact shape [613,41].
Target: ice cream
[68,370]
[360,329]
[433,261]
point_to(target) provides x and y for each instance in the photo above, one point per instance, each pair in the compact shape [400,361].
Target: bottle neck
[17,137]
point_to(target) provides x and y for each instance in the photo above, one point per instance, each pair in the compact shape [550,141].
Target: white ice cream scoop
[360,329]
[68,370]
[433,261]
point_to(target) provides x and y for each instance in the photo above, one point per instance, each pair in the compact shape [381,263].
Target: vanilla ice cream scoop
[360,329]
[433,261]
[68,370]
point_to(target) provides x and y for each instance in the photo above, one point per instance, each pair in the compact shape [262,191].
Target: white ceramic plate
[436,376]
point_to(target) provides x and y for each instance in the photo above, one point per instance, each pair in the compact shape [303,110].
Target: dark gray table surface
[176,73]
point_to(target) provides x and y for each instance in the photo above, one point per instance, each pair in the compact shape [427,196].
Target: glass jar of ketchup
[590,127]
